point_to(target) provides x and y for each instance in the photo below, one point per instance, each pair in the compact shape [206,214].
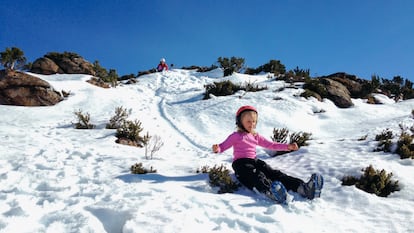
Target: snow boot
[312,188]
[279,192]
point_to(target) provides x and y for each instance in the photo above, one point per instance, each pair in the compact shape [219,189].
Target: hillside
[55,178]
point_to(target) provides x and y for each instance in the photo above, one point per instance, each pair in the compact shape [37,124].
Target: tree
[112,77]
[274,66]
[99,70]
[12,58]
[231,65]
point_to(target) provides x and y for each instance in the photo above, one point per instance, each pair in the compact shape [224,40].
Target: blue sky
[358,37]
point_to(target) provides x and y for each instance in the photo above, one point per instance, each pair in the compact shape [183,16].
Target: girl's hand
[215,148]
[293,146]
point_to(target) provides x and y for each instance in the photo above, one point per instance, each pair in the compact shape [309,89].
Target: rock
[338,93]
[21,89]
[62,63]
[46,66]
[354,85]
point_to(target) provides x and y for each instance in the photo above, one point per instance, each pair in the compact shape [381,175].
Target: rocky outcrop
[62,63]
[17,88]
[45,65]
[338,93]
[354,85]
[329,88]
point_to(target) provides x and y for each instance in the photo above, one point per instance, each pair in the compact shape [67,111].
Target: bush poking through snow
[228,88]
[83,120]
[281,135]
[230,65]
[384,140]
[130,131]
[139,169]
[203,169]
[219,176]
[300,138]
[373,181]
[405,148]
[386,134]
[116,121]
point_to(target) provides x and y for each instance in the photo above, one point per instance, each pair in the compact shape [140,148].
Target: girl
[254,173]
[162,66]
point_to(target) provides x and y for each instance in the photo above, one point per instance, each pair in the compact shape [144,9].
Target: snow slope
[54,178]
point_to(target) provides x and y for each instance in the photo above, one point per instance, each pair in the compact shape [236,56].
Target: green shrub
[230,65]
[384,140]
[221,89]
[203,169]
[83,120]
[386,134]
[405,148]
[308,93]
[131,130]
[302,73]
[300,138]
[139,169]
[273,66]
[373,181]
[280,135]
[404,145]
[116,121]
[112,78]
[225,88]
[316,86]
[251,87]
[219,176]
[127,77]
[100,71]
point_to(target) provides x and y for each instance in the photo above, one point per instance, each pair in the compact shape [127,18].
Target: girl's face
[249,120]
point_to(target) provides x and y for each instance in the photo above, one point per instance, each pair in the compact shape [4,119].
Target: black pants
[255,173]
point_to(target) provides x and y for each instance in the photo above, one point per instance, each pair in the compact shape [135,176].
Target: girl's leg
[290,182]
[250,176]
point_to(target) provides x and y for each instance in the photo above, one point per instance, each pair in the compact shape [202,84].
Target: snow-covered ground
[54,178]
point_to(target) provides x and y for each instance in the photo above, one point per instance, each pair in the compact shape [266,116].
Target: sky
[363,38]
[57,179]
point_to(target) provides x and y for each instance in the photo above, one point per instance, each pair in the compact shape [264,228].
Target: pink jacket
[162,66]
[244,145]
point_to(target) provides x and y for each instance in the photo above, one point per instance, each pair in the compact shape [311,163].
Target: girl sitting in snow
[254,173]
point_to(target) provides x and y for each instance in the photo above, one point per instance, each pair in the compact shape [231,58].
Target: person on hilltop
[162,66]
[256,174]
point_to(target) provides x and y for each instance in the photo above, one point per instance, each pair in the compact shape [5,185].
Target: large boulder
[45,65]
[338,93]
[17,88]
[62,63]
[354,84]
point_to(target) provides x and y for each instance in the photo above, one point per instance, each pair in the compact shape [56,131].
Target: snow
[54,178]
